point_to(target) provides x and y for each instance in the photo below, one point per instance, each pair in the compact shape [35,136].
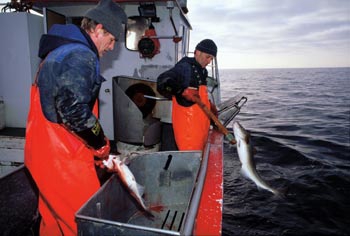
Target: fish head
[117,159]
[243,142]
[117,163]
[240,133]
[113,162]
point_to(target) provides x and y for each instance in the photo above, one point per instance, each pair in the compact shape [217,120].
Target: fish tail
[281,193]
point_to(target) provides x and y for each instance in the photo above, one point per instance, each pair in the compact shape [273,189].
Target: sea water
[299,120]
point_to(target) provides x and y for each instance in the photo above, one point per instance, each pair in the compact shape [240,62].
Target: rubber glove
[104,151]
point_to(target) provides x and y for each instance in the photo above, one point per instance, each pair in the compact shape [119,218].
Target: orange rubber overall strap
[217,122]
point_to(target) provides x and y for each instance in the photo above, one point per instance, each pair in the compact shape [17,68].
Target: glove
[104,151]
[213,109]
[190,94]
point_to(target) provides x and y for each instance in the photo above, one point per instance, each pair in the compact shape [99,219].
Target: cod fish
[245,154]
[115,164]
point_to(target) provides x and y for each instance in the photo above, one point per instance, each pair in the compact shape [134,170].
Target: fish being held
[245,154]
[115,164]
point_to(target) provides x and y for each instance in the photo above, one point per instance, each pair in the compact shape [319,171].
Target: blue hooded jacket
[69,81]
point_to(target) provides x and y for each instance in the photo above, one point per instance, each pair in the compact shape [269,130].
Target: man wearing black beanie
[63,133]
[183,83]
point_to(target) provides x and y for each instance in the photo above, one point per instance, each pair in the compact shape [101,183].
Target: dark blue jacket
[186,73]
[69,81]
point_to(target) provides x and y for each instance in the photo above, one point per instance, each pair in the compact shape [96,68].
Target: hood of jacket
[59,35]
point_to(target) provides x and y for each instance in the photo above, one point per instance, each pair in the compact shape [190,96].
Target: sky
[274,33]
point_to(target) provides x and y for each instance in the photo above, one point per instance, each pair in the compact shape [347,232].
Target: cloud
[269,26]
[273,33]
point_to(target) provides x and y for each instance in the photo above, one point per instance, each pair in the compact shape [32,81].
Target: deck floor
[11,149]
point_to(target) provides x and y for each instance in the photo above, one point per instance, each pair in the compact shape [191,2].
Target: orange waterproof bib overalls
[62,167]
[191,124]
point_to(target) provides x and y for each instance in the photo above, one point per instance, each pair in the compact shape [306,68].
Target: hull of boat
[209,216]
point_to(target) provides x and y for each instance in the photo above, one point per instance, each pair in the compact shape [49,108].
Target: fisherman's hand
[190,94]
[104,151]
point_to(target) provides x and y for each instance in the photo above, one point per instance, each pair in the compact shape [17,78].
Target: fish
[114,163]
[246,157]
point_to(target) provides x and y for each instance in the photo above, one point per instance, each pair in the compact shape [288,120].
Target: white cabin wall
[73,11]
[20,45]
[125,62]
[20,35]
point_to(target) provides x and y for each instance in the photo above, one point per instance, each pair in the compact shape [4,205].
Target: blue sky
[274,33]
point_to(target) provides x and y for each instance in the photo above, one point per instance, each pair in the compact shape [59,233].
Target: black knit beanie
[110,15]
[207,46]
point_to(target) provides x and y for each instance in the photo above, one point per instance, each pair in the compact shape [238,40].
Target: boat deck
[11,149]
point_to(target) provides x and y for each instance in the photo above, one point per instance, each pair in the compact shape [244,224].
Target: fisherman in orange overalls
[182,83]
[63,133]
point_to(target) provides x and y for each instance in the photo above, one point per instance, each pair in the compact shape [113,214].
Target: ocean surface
[299,120]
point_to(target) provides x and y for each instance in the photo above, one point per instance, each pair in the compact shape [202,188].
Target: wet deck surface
[19,201]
